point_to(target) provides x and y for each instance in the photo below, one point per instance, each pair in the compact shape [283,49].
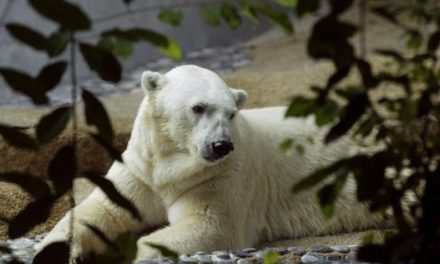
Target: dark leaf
[30,183]
[211,15]
[103,237]
[373,253]
[278,17]
[370,177]
[111,150]
[166,252]
[112,193]
[170,17]
[127,245]
[102,62]
[62,169]
[368,79]
[57,43]
[53,124]
[249,11]
[35,213]
[306,6]
[390,53]
[164,44]
[97,116]
[56,253]
[27,36]
[433,42]
[340,6]
[24,84]
[68,15]
[230,15]
[321,174]
[328,194]
[127,2]
[51,75]
[414,39]
[386,13]
[353,111]
[15,261]
[17,138]
[5,250]
[300,106]
[338,76]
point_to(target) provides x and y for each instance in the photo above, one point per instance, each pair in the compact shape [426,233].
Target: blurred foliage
[407,127]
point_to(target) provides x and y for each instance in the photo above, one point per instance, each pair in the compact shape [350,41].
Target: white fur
[235,202]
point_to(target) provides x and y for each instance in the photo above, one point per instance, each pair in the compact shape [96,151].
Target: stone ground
[279,70]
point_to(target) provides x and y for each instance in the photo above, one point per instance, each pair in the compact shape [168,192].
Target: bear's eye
[199,109]
[232,116]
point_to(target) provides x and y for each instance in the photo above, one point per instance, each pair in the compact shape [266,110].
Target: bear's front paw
[146,252]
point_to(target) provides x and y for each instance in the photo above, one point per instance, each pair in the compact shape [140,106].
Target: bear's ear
[152,81]
[240,97]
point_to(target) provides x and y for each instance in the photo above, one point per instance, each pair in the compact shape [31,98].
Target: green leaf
[271,258]
[166,252]
[327,113]
[53,124]
[170,17]
[278,17]
[25,84]
[286,145]
[212,15]
[111,150]
[249,11]
[328,194]
[368,238]
[164,44]
[353,111]
[17,138]
[63,168]
[33,185]
[306,6]
[300,106]
[414,39]
[51,75]
[68,15]
[57,252]
[112,193]
[35,213]
[231,16]
[123,48]
[97,116]
[57,43]
[370,177]
[288,3]
[27,36]
[102,62]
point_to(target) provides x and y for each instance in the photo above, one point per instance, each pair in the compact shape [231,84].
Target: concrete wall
[192,34]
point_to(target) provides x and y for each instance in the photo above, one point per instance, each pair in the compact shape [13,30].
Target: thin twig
[74,127]
[362,28]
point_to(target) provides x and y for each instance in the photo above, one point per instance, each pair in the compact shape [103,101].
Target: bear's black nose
[222,148]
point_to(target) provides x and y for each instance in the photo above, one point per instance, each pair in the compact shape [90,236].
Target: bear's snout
[222,148]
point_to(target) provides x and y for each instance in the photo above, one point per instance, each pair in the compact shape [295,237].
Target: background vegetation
[406,126]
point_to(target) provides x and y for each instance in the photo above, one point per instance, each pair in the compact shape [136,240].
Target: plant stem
[362,32]
[74,128]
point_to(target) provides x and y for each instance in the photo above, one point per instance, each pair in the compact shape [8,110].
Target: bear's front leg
[196,233]
[112,220]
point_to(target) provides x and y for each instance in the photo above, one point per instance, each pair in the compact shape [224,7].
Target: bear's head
[194,110]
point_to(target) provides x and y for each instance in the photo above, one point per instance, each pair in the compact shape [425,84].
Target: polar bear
[212,173]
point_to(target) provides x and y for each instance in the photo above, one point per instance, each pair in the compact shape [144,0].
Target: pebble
[321,249]
[341,249]
[243,261]
[311,258]
[203,258]
[188,260]
[297,251]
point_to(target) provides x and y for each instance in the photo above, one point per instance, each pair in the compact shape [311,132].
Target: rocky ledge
[22,249]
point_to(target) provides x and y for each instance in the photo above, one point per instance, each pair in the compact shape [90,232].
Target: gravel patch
[23,250]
